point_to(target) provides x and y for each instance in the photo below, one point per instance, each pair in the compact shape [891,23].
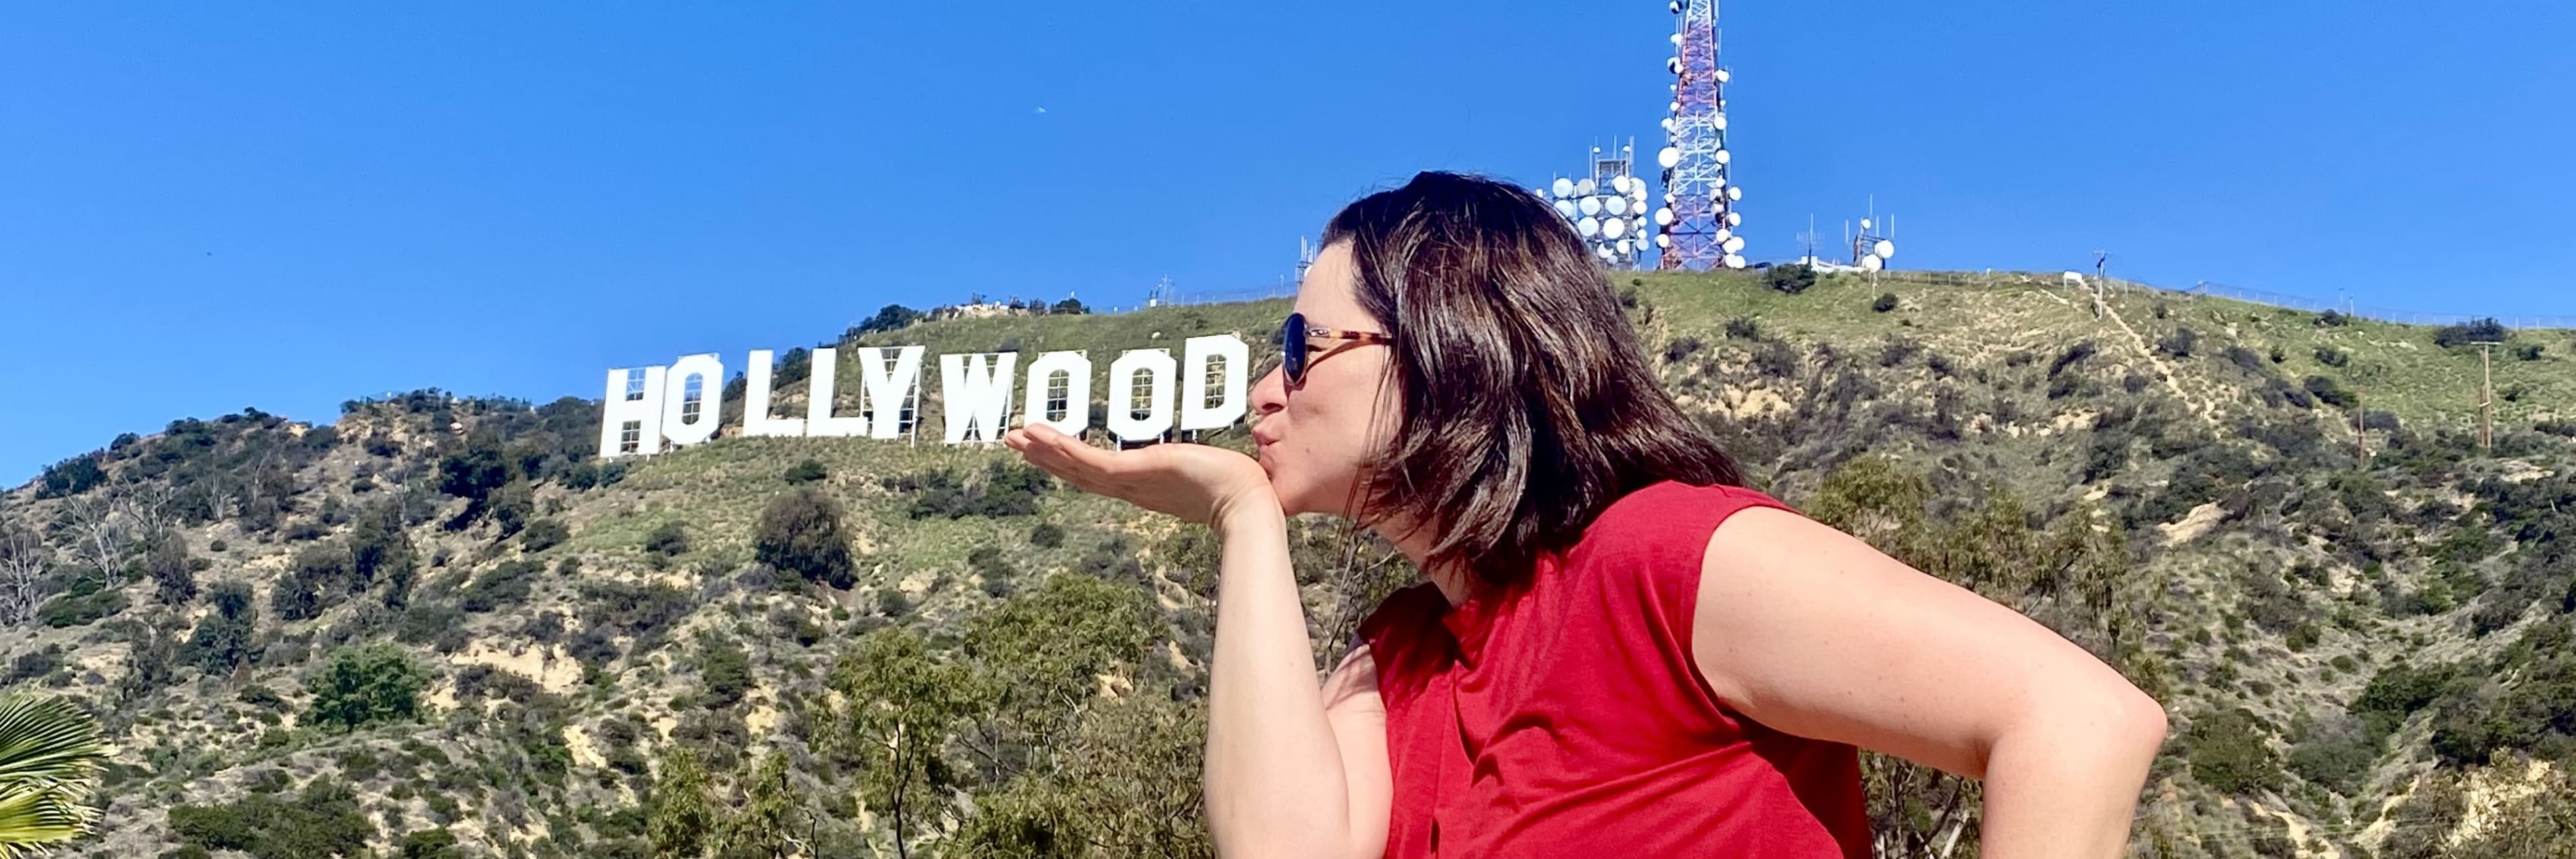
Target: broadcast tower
[1699,221]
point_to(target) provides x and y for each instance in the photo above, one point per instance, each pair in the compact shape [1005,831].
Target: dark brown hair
[1528,406]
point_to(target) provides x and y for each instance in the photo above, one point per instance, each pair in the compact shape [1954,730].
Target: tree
[800,532]
[359,686]
[899,705]
[1040,651]
[1069,305]
[222,641]
[50,752]
[679,815]
[889,318]
[100,524]
[23,559]
[1791,279]
[167,563]
[765,825]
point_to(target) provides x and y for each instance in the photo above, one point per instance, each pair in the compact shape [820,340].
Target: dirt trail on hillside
[2207,411]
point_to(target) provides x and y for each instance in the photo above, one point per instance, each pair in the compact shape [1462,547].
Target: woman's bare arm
[1813,632]
[1292,770]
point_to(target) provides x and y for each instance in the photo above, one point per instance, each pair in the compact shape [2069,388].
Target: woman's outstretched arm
[1292,770]
[1813,632]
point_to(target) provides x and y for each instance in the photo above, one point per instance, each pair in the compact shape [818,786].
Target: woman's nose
[1270,392]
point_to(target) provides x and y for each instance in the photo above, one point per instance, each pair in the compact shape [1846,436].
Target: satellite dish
[1564,207]
[1884,249]
[1588,227]
[1735,219]
[1864,223]
[1677,37]
[1670,198]
[1663,241]
[1723,234]
[1584,188]
[1616,205]
[1677,107]
[1589,205]
[1734,193]
[1733,244]
[1563,187]
[1677,9]
[1669,156]
[1670,126]
[1871,263]
[1664,216]
[1619,184]
[1724,156]
[1720,121]
[1723,76]
[1718,181]
[1614,227]
[1733,261]
[1674,64]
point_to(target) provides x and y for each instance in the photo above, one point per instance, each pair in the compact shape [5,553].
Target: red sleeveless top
[1563,716]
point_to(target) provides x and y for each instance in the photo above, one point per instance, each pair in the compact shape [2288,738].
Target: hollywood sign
[678,404]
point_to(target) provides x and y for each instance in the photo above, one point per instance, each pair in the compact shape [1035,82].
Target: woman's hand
[1197,482]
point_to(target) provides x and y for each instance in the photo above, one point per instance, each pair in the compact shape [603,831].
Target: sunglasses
[1297,344]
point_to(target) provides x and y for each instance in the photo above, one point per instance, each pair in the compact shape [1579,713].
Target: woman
[1618,647]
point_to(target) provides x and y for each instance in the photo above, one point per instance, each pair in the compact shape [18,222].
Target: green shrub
[2330,392]
[2228,753]
[2180,343]
[667,539]
[508,583]
[1047,535]
[1791,279]
[1886,302]
[2333,357]
[69,610]
[543,534]
[2467,333]
[358,686]
[724,670]
[801,533]
[805,472]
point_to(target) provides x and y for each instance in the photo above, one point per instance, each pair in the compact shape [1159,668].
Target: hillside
[439,627]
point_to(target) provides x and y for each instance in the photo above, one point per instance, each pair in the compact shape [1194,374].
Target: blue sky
[209,206]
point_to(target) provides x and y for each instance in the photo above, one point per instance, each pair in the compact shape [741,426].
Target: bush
[359,686]
[2074,354]
[2180,343]
[505,584]
[71,477]
[1743,328]
[1047,535]
[1005,489]
[2331,393]
[324,820]
[2244,359]
[1682,347]
[543,534]
[2332,319]
[2528,352]
[801,533]
[725,671]
[2278,354]
[2228,754]
[167,563]
[2333,357]
[70,610]
[891,317]
[1791,279]
[805,472]
[1886,302]
[222,640]
[2467,333]
[667,539]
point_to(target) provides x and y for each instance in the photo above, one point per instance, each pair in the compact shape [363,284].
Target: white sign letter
[819,421]
[634,397]
[889,389]
[755,402]
[1040,409]
[977,392]
[681,404]
[1157,368]
[1196,414]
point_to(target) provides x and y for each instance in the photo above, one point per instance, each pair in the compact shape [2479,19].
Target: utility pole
[2486,394]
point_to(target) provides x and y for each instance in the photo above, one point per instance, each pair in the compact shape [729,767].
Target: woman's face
[1315,438]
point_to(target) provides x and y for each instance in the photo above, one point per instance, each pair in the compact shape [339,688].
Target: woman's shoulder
[1669,515]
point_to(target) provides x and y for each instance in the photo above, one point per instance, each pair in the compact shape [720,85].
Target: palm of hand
[1192,481]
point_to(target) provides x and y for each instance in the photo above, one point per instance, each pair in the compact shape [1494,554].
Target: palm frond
[50,751]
